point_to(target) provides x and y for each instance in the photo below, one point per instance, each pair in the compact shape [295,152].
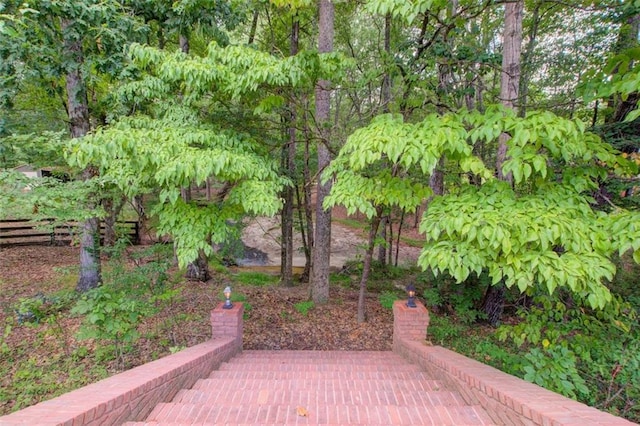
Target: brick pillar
[409,323]
[227,322]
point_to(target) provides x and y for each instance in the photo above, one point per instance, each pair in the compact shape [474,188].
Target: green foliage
[304,307]
[387,298]
[256,278]
[41,150]
[620,76]
[111,316]
[584,354]
[113,311]
[6,332]
[443,296]
[41,307]
[551,237]
[175,144]
[46,198]
[555,369]
[444,331]
[541,231]
[37,379]
[406,10]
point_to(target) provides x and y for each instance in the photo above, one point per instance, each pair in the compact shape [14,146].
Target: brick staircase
[315,387]
[216,383]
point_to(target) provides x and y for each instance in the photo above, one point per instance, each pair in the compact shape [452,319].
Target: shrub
[387,298]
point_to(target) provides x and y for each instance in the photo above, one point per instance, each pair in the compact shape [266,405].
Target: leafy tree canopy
[541,232]
[174,144]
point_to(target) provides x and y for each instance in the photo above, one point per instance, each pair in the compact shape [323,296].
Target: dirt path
[346,244]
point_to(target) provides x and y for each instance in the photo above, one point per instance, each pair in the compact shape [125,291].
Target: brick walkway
[309,387]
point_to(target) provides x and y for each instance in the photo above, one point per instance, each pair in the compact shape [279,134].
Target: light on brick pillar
[410,323]
[227,322]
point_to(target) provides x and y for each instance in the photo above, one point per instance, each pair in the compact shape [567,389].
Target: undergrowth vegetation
[556,341]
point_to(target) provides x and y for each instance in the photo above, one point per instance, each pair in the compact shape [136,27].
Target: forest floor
[275,318]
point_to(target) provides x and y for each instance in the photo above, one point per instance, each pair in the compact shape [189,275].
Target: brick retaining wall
[508,399]
[131,395]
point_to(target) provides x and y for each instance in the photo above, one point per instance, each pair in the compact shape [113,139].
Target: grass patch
[304,307]
[255,278]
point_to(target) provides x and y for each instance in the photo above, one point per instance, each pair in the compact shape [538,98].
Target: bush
[387,298]
[592,356]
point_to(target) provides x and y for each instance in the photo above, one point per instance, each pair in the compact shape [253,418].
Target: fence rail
[45,232]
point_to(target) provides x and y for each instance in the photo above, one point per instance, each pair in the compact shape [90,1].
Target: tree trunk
[184,43]
[386,100]
[254,27]
[79,125]
[113,211]
[199,268]
[308,205]
[510,77]
[322,240]
[366,267]
[382,236]
[493,304]
[398,237]
[289,163]
[527,68]
[509,84]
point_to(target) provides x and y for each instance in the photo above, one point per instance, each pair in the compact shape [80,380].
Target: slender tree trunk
[308,205]
[199,268]
[382,236]
[386,80]
[79,125]
[184,43]
[113,211]
[366,267]
[286,257]
[395,263]
[386,100]
[512,45]
[322,240]
[254,26]
[510,80]
[527,68]
[389,239]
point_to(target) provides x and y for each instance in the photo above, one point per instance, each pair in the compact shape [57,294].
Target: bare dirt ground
[346,243]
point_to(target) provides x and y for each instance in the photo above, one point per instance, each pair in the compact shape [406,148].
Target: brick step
[317,366]
[326,375]
[353,357]
[187,414]
[312,397]
[321,385]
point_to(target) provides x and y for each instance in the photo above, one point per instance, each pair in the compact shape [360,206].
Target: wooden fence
[44,232]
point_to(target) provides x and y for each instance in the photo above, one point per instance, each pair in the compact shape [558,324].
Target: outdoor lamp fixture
[227,295]
[411,292]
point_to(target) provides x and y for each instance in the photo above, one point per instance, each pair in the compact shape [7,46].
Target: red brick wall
[507,399]
[131,395]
